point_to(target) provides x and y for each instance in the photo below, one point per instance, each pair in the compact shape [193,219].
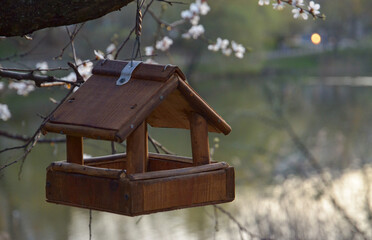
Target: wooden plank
[199,139]
[230,183]
[86,170]
[132,198]
[203,108]
[177,172]
[74,130]
[116,161]
[100,103]
[145,109]
[154,72]
[80,190]
[184,191]
[172,112]
[74,149]
[137,150]
[169,157]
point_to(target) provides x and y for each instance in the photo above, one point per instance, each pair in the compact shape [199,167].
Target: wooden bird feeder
[137,182]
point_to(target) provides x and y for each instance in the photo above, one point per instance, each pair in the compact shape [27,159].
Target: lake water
[278,193]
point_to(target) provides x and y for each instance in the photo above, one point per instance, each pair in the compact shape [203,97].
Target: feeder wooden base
[170,183]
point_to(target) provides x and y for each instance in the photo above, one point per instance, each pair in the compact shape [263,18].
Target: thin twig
[38,79]
[34,139]
[159,145]
[24,54]
[153,144]
[90,224]
[72,37]
[72,43]
[36,69]
[240,226]
[25,138]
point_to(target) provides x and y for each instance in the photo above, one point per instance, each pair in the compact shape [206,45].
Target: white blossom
[149,50]
[71,77]
[187,14]
[23,88]
[42,65]
[85,69]
[110,57]
[263,2]
[227,51]
[200,7]
[194,32]
[1,86]
[4,112]
[298,12]
[164,44]
[278,5]
[314,7]
[110,48]
[297,3]
[238,49]
[99,55]
[195,20]
[213,48]
[220,44]
[203,7]
[150,61]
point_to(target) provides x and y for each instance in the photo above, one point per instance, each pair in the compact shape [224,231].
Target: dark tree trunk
[21,17]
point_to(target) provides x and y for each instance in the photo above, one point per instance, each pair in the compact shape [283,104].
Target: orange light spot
[316,38]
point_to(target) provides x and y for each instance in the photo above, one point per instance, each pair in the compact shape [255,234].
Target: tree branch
[38,79]
[25,138]
[19,17]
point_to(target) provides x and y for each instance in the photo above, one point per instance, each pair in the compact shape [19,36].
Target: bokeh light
[316,38]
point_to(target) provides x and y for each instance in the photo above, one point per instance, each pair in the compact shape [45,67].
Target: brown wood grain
[74,149]
[86,170]
[99,103]
[92,192]
[184,190]
[199,105]
[199,139]
[70,184]
[177,172]
[153,99]
[75,130]
[137,150]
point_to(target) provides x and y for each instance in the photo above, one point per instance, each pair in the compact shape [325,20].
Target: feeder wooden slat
[127,197]
[74,149]
[116,105]
[199,139]
[137,150]
[177,172]
[74,130]
[86,170]
[145,71]
[203,108]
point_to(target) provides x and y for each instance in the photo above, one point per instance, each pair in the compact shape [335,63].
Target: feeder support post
[137,150]
[74,148]
[199,139]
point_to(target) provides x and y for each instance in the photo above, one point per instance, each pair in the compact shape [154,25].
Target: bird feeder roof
[156,94]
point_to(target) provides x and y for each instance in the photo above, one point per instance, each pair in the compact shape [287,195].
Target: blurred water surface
[278,193]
